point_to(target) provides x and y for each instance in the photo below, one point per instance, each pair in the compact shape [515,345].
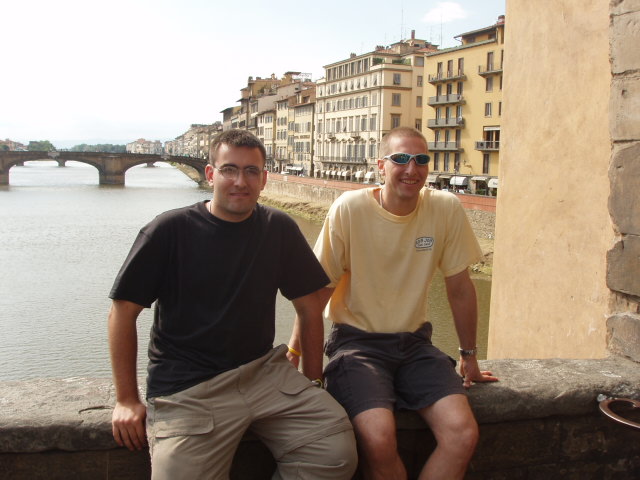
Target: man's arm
[462,299]
[308,332]
[128,419]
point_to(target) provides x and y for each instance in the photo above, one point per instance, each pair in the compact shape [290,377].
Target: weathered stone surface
[625,38]
[623,335]
[624,118]
[624,200]
[623,265]
[619,7]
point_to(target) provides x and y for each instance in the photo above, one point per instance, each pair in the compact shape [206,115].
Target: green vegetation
[41,146]
[4,147]
[103,147]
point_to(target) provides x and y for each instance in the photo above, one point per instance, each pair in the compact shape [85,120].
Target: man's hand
[128,424]
[471,372]
[294,359]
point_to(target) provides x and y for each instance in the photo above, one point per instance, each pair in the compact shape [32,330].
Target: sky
[83,71]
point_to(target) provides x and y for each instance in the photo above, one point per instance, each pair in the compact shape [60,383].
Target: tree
[41,146]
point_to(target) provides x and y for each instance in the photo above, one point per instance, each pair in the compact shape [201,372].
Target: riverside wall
[541,421]
[316,195]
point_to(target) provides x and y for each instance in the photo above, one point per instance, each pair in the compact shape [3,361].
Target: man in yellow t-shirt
[380,248]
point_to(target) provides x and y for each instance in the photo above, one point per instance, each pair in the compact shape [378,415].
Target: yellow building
[359,100]
[463,111]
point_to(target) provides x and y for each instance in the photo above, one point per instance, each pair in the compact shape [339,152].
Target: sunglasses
[405,158]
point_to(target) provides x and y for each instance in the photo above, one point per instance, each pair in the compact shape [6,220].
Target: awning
[493,183]
[359,174]
[432,178]
[369,175]
[445,177]
[346,173]
[332,173]
[295,169]
[479,179]
[459,181]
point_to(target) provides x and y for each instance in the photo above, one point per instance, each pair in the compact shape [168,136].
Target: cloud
[445,12]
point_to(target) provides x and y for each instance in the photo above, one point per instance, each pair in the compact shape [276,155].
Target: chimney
[413,34]
[500,19]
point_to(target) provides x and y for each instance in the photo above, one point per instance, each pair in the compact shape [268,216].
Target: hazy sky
[82,71]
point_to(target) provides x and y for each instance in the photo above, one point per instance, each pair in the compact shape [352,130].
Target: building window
[418,124]
[396,79]
[499,109]
[487,109]
[395,121]
[419,62]
[450,68]
[395,99]
[449,88]
[436,161]
[446,162]
[461,66]
[460,88]
[419,101]
[489,84]
[372,150]
[456,162]
[485,163]
[489,61]
[373,124]
[419,81]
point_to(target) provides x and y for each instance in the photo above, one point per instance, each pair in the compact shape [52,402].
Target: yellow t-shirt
[381,264]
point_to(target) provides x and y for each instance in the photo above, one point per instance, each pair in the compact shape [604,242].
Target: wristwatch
[468,353]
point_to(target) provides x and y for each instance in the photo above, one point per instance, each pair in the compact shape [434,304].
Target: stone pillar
[111,178]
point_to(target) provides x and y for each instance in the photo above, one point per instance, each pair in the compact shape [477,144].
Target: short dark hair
[400,132]
[235,138]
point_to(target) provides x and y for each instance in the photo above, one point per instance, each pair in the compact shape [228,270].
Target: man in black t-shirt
[213,270]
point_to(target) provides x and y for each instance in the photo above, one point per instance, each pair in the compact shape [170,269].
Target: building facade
[145,146]
[463,111]
[359,100]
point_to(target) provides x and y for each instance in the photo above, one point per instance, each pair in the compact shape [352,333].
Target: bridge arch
[111,166]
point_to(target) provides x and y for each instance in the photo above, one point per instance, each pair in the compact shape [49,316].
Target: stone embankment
[541,421]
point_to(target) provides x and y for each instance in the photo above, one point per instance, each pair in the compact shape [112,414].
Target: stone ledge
[74,414]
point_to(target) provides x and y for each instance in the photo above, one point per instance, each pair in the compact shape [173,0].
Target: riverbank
[316,212]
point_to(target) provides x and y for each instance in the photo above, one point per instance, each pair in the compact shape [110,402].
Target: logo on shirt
[424,243]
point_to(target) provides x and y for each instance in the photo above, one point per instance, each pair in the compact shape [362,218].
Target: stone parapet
[540,421]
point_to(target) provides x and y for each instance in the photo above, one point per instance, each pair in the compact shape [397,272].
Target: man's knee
[331,457]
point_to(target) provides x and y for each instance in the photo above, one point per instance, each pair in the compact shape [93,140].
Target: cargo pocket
[182,426]
[292,382]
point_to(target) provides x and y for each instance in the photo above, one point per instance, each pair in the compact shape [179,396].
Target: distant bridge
[111,166]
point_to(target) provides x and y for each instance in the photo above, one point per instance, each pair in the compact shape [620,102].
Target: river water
[62,241]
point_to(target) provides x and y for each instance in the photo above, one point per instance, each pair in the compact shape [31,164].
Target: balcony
[488,146]
[445,99]
[445,147]
[447,76]
[445,122]
[488,70]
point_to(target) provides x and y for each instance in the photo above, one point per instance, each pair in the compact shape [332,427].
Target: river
[62,241]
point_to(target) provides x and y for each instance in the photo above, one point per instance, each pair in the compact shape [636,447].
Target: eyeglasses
[405,158]
[231,172]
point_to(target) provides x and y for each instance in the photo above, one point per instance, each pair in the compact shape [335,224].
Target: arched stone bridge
[111,166]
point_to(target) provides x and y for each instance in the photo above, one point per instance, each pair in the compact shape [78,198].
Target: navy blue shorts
[387,370]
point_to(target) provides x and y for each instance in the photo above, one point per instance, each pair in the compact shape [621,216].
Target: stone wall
[623,260]
[541,421]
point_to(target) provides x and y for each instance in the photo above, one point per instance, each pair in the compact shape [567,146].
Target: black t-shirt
[215,284]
